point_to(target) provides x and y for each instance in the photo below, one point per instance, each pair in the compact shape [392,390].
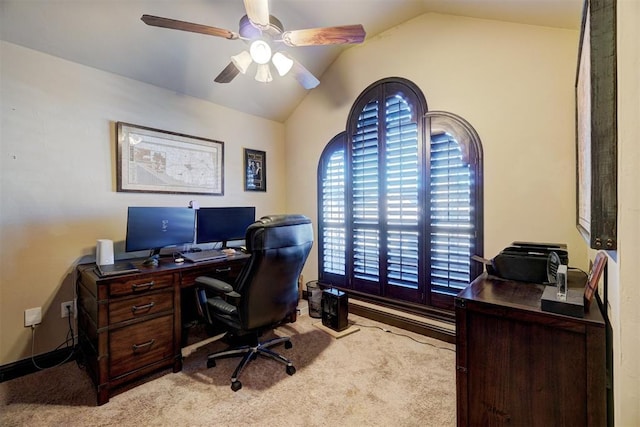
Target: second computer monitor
[223,224]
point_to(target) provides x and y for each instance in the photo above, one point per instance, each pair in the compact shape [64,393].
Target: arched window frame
[385,280]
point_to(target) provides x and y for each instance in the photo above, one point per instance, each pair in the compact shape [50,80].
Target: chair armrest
[221,306]
[218,286]
[214,284]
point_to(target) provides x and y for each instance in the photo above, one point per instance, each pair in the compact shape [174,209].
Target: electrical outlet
[32,316]
[68,307]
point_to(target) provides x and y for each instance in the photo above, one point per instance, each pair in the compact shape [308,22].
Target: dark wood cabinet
[518,365]
[132,325]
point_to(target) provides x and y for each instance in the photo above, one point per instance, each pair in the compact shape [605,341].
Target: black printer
[529,262]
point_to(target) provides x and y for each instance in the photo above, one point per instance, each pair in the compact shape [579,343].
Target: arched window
[399,214]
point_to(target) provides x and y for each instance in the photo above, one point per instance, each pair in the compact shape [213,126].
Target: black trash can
[314,293]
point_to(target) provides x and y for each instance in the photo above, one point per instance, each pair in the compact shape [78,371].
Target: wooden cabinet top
[495,293]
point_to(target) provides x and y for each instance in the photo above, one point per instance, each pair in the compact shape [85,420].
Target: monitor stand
[154,258]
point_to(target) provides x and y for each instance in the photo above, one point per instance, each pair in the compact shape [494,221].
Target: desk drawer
[138,345]
[227,272]
[140,306]
[140,284]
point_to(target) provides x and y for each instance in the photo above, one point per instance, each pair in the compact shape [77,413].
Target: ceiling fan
[263,32]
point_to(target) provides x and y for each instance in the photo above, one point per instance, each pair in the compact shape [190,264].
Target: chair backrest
[279,246]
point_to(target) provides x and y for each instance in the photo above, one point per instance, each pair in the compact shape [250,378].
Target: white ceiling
[109,35]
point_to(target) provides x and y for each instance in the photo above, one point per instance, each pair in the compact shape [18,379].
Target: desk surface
[165,264]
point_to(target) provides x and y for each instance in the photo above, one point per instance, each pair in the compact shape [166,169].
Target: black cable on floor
[406,336]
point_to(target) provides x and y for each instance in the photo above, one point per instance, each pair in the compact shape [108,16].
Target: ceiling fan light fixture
[263,75]
[242,61]
[260,51]
[282,62]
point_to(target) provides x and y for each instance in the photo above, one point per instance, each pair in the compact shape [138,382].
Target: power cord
[580,270]
[70,337]
[406,336]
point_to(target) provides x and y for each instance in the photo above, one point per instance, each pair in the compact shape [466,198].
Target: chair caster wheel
[291,370]
[211,363]
[236,385]
[288,344]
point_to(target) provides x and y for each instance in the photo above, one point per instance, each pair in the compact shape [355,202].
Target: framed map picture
[255,166]
[596,127]
[156,161]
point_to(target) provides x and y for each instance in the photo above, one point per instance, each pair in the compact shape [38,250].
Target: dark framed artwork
[255,166]
[156,161]
[596,126]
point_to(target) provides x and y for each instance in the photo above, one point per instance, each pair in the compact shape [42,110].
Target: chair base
[251,352]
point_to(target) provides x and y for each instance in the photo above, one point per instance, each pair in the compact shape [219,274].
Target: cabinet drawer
[140,284]
[138,345]
[140,306]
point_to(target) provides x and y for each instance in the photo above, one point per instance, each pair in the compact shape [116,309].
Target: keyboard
[206,255]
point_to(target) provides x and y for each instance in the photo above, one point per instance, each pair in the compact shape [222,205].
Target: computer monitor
[153,228]
[223,224]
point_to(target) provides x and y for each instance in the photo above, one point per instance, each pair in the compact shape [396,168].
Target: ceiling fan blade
[303,76]
[324,36]
[174,24]
[258,12]
[228,74]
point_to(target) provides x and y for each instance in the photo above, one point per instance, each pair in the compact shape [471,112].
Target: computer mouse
[179,260]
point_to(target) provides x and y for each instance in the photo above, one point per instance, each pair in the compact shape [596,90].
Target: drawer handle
[142,286]
[145,307]
[147,346]
[223,270]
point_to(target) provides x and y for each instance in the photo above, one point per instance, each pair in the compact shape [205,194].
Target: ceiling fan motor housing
[249,31]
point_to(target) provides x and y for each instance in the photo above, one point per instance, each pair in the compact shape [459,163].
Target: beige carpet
[371,377]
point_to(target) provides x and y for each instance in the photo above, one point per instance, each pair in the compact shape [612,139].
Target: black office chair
[265,293]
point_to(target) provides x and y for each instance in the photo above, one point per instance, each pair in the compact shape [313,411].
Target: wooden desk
[518,365]
[131,325]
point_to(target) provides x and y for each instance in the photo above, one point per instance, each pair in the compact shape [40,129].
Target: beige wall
[58,177]
[624,268]
[513,83]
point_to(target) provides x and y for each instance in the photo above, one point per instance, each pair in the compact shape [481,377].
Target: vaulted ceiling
[109,35]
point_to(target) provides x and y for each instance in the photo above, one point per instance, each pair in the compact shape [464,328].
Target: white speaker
[104,252]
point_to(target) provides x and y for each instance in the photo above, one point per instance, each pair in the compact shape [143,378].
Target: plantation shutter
[400,216]
[333,215]
[402,176]
[365,195]
[451,217]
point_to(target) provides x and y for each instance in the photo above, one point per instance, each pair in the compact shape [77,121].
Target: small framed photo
[594,277]
[255,166]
